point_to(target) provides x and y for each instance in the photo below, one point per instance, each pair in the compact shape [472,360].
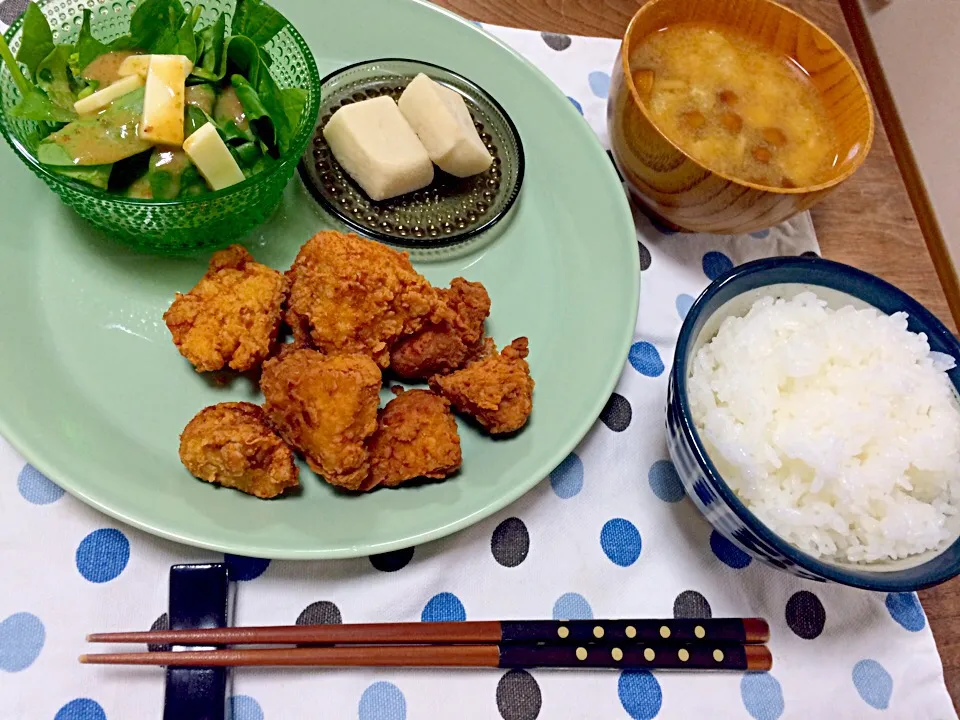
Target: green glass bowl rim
[293,155]
[414,243]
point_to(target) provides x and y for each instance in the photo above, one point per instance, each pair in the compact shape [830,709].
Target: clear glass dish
[448,212]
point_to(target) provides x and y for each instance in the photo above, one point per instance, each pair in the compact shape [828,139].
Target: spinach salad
[228,85]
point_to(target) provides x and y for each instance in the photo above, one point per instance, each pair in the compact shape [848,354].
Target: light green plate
[94,394]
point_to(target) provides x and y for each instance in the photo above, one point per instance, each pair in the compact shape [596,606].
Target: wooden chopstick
[744,631]
[696,657]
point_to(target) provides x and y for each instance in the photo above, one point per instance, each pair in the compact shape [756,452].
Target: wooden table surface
[868,222]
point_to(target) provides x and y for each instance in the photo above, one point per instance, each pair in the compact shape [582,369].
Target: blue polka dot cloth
[608,533]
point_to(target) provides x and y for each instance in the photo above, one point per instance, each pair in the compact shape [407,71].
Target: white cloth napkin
[608,534]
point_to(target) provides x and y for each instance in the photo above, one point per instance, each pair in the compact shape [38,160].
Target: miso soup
[734,105]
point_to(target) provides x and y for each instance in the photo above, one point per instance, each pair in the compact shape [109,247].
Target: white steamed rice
[839,429]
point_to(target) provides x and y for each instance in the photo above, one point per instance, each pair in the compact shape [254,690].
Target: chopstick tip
[84,659]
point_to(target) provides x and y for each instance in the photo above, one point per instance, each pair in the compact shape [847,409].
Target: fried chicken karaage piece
[416,437]
[232,316]
[438,349]
[484,349]
[326,407]
[233,445]
[350,295]
[496,390]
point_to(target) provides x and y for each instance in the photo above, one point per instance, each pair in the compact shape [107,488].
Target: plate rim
[624,217]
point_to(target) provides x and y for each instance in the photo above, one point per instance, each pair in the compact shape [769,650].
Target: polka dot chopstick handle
[671,656]
[653,656]
[720,630]
[747,631]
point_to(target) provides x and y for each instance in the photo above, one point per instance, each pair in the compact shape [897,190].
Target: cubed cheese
[163,100]
[134,65]
[377,147]
[101,98]
[443,123]
[140,64]
[213,159]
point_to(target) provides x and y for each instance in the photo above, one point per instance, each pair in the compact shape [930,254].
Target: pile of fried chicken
[355,309]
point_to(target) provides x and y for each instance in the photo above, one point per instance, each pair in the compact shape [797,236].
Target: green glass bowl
[171,227]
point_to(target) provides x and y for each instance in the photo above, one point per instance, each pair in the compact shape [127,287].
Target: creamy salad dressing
[105,69]
[229,108]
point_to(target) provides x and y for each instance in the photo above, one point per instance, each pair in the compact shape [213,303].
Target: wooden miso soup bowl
[677,189]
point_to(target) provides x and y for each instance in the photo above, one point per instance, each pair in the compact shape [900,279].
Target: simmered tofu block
[377,147]
[440,118]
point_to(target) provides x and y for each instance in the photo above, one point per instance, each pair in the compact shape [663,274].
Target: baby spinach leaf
[99,139]
[36,40]
[37,106]
[23,85]
[272,100]
[154,21]
[247,154]
[249,98]
[239,52]
[179,40]
[257,113]
[186,43]
[245,57]
[192,183]
[231,133]
[294,100]
[193,17]
[194,119]
[211,61]
[96,175]
[165,171]
[53,79]
[198,39]
[124,42]
[262,164]
[230,116]
[163,185]
[50,153]
[34,104]
[274,114]
[257,21]
[87,48]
